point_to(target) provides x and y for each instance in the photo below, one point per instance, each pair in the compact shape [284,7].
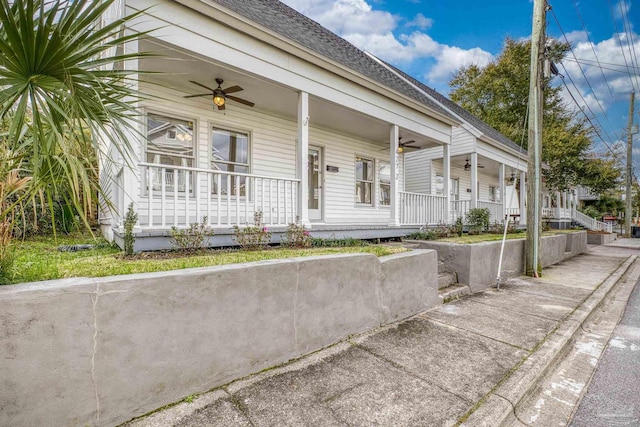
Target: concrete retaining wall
[100,351]
[601,239]
[476,265]
[576,244]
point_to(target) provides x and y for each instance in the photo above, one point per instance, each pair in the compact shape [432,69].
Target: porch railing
[422,209]
[495,210]
[180,196]
[591,223]
[459,209]
[554,212]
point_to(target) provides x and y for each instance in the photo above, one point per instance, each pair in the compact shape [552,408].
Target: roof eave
[258,31]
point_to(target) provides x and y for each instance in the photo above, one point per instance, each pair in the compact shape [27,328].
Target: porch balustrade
[495,210]
[562,213]
[422,209]
[459,209]
[180,196]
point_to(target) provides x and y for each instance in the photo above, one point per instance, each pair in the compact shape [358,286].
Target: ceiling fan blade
[404,144]
[193,96]
[481,166]
[241,101]
[411,146]
[232,89]
[201,85]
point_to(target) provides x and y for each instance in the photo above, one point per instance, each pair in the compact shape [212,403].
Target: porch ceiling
[176,68]
[486,165]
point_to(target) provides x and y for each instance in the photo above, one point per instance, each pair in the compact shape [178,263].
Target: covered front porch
[326,160]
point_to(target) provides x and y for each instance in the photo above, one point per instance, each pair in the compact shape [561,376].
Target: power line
[590,62]
[595,55]
[595,128]
[627,27]
[595,96]
[624,56]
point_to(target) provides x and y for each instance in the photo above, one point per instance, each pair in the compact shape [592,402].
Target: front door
[315,183]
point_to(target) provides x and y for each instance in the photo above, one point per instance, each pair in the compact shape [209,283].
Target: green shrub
[253,237]
[422,235]
[478,220]
[192,239]
[296,236]
[130,220]
[458,227]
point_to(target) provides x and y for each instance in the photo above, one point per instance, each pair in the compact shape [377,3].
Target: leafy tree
[61,85]
[498,94]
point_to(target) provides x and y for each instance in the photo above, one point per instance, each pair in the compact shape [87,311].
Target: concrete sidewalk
[468,362]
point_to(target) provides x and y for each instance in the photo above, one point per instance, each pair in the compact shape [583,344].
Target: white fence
[496,213]
[422,209]
[459,209]
[591,223]
[180,196]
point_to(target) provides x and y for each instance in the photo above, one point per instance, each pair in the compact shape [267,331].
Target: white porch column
[394,137]
[523,198]
[501,171]
[558,203]
[302,153]
[474,180]
[446,172]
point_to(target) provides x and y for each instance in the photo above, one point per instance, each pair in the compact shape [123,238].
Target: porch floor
[159,239]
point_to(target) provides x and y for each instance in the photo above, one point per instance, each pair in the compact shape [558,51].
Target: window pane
[385,173]
[363,192]
[385,194]
[228,146]
[169,137]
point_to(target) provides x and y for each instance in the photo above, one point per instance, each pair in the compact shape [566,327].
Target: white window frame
[380,163]
[372,182]
[169,171]
[213,126]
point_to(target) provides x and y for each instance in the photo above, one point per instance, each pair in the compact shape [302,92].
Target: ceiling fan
[220,95]
[467,165]
[403,145]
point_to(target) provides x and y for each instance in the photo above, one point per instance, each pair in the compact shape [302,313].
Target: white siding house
[481,168]
[317,137]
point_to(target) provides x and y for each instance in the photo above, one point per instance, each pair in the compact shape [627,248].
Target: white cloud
[451,58]
[607,77]
[420,21]
[373,30]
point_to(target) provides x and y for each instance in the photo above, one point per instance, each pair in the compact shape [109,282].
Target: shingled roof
[461,112]
[291,24]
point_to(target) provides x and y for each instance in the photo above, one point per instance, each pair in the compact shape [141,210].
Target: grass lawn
[478,238]
[38,259]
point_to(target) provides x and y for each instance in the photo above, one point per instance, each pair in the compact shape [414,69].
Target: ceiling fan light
[218,99]
[400,149]
[467,165]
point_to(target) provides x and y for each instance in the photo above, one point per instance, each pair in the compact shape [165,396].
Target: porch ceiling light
[218,99]
[467,166]
[400,149]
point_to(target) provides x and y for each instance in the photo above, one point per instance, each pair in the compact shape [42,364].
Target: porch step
[446,279]
[453,292]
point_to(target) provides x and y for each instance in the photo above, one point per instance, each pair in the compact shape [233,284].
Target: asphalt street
[613,396]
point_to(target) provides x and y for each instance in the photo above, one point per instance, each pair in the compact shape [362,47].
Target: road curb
[499,404]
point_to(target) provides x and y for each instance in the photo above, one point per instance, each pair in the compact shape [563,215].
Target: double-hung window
[170,141]
[364,180]
[230,154]
[493,194]
[384,176]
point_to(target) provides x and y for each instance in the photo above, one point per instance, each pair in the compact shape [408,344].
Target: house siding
[273,153]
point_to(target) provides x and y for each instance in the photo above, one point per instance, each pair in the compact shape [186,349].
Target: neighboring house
[311,129]
[488,170]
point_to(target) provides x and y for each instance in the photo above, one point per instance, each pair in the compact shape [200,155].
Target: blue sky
[431,39]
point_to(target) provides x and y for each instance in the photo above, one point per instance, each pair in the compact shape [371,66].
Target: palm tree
[62,83]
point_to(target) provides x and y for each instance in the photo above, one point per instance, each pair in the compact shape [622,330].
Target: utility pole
[534,189]
[627,211]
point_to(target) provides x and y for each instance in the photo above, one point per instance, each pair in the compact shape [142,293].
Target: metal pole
[627,211]
[534,190]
